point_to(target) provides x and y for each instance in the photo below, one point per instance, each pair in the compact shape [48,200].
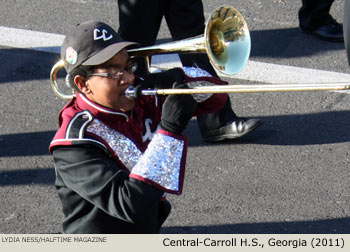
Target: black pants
[140,21]
[314,13]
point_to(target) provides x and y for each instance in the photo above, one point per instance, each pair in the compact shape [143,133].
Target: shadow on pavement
[42,176]
[303,129]
[329,226]
[288,43]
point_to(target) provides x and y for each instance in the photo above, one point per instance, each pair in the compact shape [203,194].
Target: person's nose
[127,78]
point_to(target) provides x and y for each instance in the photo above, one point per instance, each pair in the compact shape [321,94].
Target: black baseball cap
[91,43]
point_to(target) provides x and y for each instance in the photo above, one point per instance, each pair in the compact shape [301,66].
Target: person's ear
[82,83]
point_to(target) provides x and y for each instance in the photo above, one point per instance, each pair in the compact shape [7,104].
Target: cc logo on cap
[103,35]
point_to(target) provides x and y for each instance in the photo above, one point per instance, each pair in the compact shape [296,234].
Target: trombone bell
[226,41]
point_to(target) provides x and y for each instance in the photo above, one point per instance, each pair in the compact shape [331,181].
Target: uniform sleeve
[96,177]
[163,163]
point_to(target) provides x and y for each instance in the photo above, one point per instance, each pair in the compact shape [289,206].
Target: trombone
[248,88]
[226,41]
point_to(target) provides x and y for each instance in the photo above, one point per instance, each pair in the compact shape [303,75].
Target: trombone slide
[249,88]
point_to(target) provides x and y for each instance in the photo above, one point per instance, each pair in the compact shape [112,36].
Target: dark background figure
[315,19]
[346,24]
[140,21]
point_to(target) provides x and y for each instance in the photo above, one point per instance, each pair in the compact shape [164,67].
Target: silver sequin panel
[196,72]
[124,148]
[161,161]
[200,97]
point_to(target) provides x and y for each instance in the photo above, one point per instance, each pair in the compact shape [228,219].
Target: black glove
[177,111]
[162,80]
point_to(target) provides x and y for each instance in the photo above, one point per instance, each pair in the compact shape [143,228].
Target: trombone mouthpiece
[130,92]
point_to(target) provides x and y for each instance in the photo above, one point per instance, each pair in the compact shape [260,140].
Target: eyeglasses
[118,74]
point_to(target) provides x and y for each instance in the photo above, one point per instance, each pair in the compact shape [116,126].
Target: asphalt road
[289,176]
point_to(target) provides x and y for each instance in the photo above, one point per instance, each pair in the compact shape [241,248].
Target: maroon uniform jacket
[113,168]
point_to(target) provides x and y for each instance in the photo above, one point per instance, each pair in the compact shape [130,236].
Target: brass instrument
[226,41]
[248,88]
[53,82]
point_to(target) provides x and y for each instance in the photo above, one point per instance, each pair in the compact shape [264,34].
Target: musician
[116,158]
[140,21]
[315,19]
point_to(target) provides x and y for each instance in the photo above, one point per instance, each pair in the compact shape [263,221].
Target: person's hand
[177,111]
[162,80]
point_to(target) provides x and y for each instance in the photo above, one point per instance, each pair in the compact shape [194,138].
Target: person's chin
[127,105]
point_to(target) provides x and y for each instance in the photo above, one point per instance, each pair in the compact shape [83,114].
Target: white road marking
[20,38]
[253,71]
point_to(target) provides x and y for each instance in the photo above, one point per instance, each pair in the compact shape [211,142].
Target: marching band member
[315,19]
[115,157]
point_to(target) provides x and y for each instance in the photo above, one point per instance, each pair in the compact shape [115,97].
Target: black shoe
[235,129]
[332,32]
